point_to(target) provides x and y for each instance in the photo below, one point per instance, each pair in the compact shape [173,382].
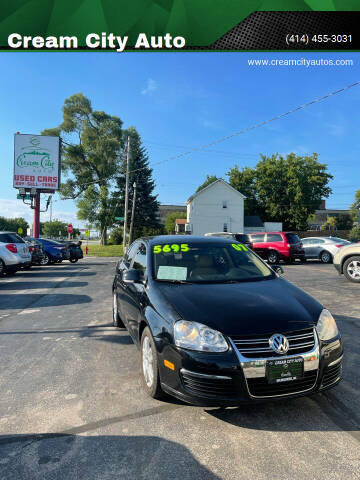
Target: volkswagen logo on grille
[279,343]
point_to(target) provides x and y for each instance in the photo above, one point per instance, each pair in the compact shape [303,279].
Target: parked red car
[276,246]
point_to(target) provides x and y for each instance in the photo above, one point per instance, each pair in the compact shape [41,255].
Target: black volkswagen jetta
[216,326]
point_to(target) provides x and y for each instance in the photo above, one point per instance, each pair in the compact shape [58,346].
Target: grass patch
[105,250]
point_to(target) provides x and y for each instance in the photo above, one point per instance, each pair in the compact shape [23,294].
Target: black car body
[247,313]
[75,252]
[37,252]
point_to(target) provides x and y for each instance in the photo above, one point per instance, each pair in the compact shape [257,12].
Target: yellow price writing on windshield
[239,247]
[175,247]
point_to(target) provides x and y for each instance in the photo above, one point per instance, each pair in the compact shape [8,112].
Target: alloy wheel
[45,260]
[325,257]
[353,269]
[147,362]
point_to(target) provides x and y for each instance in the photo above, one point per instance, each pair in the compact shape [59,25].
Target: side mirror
[131,276]
[278,269]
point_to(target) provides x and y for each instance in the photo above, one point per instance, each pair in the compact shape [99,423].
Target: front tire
[273,257]
[325,257]
[117,322]
[352,269]
[149,365]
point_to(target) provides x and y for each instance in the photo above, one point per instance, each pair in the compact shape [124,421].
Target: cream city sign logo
[34,156]
[279,343]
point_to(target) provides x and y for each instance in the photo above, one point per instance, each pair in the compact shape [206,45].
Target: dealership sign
[36,162]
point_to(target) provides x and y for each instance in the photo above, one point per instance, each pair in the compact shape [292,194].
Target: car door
[260,247]
[307,247]
[121,288]
[135,292]
[317,247]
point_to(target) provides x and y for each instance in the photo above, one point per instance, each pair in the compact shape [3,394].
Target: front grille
[258,346]
[331,374]
[207,386]
[259,387]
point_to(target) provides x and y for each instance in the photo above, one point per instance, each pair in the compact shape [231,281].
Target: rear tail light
[339,246]
[11,247]
[288,245]
[31,249]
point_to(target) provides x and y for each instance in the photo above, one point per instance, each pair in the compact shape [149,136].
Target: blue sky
[181,100]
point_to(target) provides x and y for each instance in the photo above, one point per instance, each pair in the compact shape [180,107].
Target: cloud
[151,86]
[11,208]
[335,129]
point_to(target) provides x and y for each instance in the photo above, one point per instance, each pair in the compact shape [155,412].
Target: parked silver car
[14,253]
[322,248]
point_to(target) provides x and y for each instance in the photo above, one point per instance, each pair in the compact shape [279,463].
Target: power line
[244,130]
[228,137]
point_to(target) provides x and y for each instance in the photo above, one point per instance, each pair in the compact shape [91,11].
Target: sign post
[70,230]
[36,169]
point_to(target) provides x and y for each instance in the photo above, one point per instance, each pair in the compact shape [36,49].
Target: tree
[146,217]
[170,221]
[283,189]
[244,181]
[344,222]
[13,224]
[57,228]
[209,180]
[354,234]
[330,224]
[91,158]
[354,209]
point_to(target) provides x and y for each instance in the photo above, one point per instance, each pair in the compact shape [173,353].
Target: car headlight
[196,336]
[326,326]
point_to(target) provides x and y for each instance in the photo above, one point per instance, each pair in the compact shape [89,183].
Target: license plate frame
[284,370]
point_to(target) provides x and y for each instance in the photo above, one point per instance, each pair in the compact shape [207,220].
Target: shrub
[354,234]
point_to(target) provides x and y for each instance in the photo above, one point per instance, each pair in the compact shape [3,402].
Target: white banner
[36,162]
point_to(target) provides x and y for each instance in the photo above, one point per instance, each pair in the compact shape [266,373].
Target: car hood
[250,308]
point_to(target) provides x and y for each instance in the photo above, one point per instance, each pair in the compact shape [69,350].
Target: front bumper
[228,379]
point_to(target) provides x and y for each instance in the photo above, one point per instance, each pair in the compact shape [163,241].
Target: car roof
[164,239]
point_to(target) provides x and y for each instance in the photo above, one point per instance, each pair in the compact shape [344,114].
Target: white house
[216,208]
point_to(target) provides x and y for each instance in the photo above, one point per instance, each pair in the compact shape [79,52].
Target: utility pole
[126,191]
[132,214]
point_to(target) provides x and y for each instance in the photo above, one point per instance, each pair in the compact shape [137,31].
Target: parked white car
[14,253]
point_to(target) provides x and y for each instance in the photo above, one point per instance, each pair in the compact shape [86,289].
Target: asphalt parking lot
[72,405]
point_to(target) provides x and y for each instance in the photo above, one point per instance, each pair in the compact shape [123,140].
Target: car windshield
[53,242]
[207,263]
[339,240]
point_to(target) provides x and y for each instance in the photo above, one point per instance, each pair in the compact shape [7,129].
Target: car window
[274,237]
[242,237]
[212,263]
[140,260]
[320,240]
[258,238]
[306,241]
[292,238]
[10,238]
[340,240]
